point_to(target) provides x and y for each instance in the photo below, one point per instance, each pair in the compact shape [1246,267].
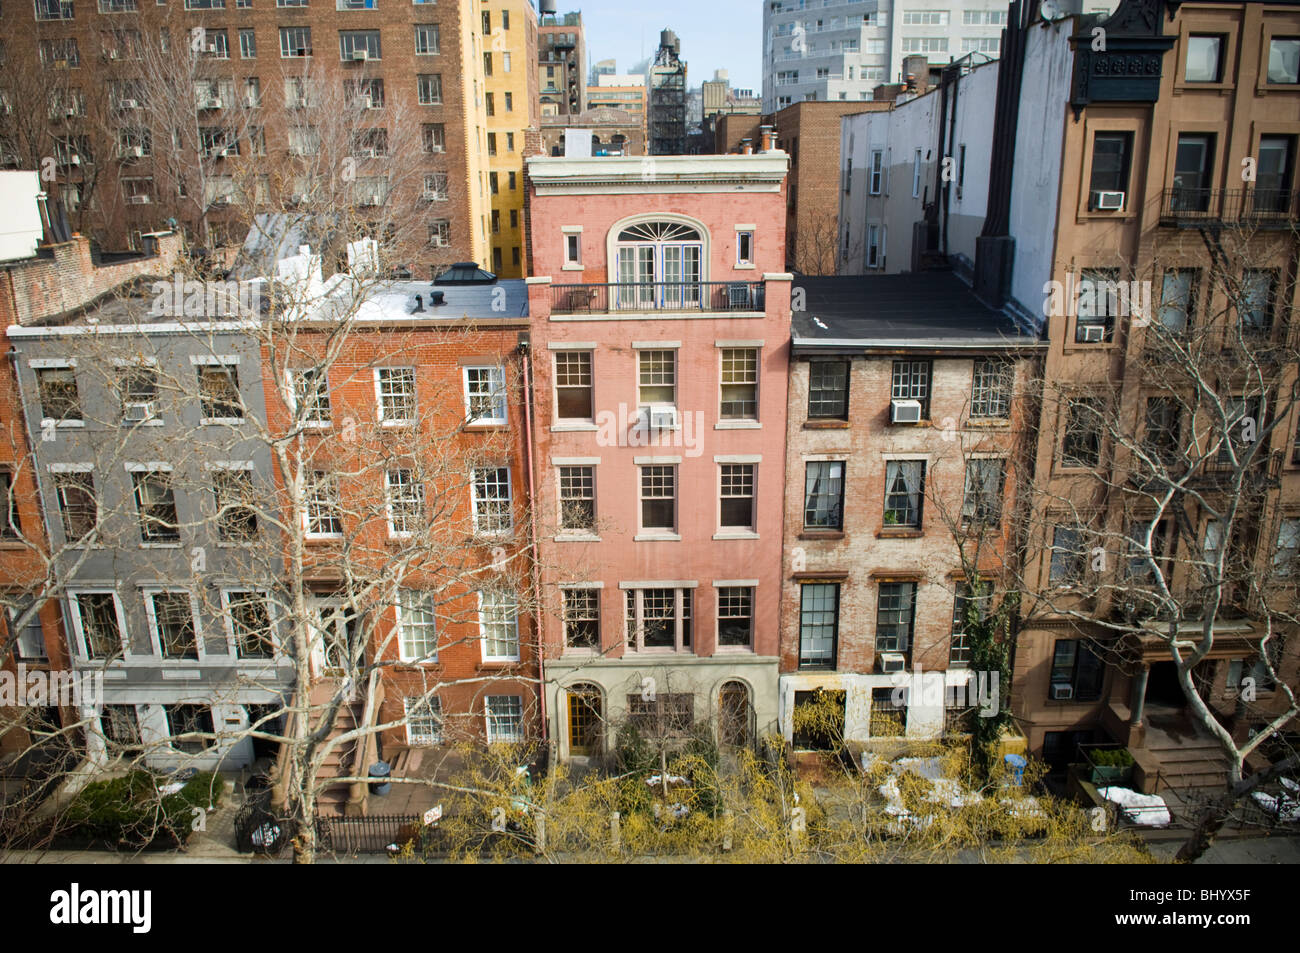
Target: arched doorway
[585,720]
[660,265]
[735,715]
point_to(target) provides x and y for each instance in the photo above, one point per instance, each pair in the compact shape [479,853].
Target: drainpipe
[532,520]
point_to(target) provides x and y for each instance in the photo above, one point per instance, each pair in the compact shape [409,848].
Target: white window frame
[666,348]
[384,419]
[876,172]
[335,502]
[916,174]
[500,404]
[433,705]
[232,640]
[488,714]
[74,610]
[479,530]
[741,260]
[155,637]
[417,487]
[407,598]
[295,374]
[508,603]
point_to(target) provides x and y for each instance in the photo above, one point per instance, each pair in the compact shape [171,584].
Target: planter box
[1106,775]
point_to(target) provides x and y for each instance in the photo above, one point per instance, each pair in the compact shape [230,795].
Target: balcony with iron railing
[675,296]
[1258,208]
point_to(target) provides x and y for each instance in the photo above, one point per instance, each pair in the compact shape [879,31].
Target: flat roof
[931,310]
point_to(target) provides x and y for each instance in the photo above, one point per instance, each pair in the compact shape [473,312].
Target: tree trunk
[1207,828]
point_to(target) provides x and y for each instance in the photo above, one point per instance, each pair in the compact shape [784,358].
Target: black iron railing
[658,296]
[1267,208]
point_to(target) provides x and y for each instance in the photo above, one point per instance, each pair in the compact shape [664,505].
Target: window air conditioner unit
[661,418]
[70,111]
[213,102]
[1092,333]
[429,195]
[1107,201]
[139,200]
[74,159]
[360,56]
[892,662]
[905,411]
[129,104]
[137,412]
[134,152]
[1062,691]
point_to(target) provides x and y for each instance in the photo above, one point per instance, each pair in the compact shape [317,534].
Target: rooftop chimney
[766,138]
[746,147]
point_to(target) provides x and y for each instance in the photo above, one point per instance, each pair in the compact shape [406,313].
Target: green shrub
[129,811]
[1118,758]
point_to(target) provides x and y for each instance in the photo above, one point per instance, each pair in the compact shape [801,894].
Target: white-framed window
[186,720]
[1287,553]
[876,173]
[485,395]
[739,383]
[505,718]
[736,505]
[311,395]
[427,39]
[352,42]
[435,186]
[59,397]
[577,498]
[417,627]
[395,395]
[31,639]
[120,726]
[925,17]
[491,497]
[219,392]
[247,44]
[236,501]
[404,500]
[99,623]
[429,88]
[735,617]
[875,246]
[574,388]
[656,377]
[925,44]
[440,230]
[991,389]
[916,174]
[659,619]
[498,619]
[78,504]
[433,138]
[295,41]
[323,516]
[172,624]
[659,498]
[155,502]
[581,618]
[423,720]
[744,248]
[250,624]
[573,249]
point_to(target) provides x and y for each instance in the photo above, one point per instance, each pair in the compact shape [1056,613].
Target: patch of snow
[1145,810]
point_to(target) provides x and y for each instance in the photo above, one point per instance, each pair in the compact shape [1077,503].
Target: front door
[584,721]
[333,636]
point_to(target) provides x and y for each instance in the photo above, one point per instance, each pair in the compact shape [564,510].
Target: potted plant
[1109,766]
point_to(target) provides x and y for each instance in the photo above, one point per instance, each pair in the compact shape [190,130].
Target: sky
[715,34]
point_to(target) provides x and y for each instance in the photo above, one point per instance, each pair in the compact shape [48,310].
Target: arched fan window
[659,232]
[660,266]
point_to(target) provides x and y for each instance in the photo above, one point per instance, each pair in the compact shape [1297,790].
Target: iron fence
[704,296]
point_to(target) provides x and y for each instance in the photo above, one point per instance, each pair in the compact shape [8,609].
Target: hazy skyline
[723,34]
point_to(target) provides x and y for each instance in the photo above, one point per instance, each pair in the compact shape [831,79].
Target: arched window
[660,265]
[585,720]
[735,714]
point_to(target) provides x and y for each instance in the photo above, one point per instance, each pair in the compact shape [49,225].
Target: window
[60,54]
[736,616]
[1288,547]
[370,143]
[77,505]
[440,233]
[925,44]
[1193,170]
[435,186]
[737,509]
[982,44]
[417,629]
[1242,416]
[31,638]
[364,93]
[485,395]
[828,389]
[236,501]
[323,511]
[505,63]
[659,619]
[247,44]
[904,492]
[659,498]
[295,41]
[427,40]
[667,714]
[925,17]
[657,377]
[1075,666]
[492,143]
[1255,301]
[822,728]
[171,615]
[219,392]
[491,499]
[578,498]
[895,616]
[1204,58]
[824,495]
[1177,298]
[489,103]
[510,142]
[1284,60]
[189,720]
[819,614]
[739,384]
[573,249]
[911,381]
[877,171]
[10,527]
[744,248]
[916,174]
[395,394]
[494,183]
[423,720]
[573,385]
[1162,435]
[487,63]
[1110,162]
[354,42]
[510,107]
[312,396]
[982,502]
[991,389]
[121,727]
[156,505]
[505,719]
[250,623]
[1081,438]
[1068,557]
[888,713]
[967,607]
[581,618]
[874,243]
[53,9]
[405,502]
[498,614]
[99,624]
[1253,668]
[430,89]
[57,387]
[1274,176]
[1098,305]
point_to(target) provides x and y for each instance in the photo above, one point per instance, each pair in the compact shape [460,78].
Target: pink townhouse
[660,322]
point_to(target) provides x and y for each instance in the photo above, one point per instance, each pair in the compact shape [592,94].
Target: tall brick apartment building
[73,78]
